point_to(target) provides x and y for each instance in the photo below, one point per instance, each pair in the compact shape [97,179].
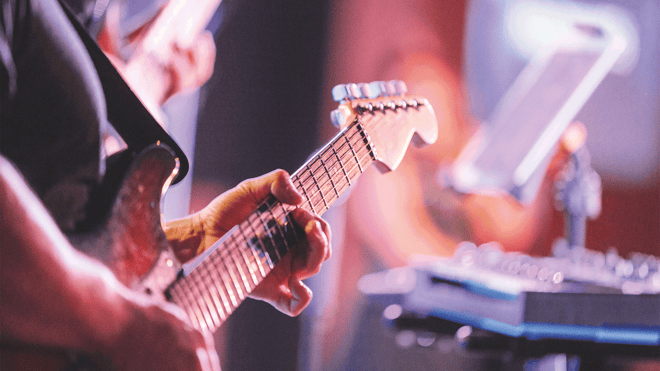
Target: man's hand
[156,78]
[283,286]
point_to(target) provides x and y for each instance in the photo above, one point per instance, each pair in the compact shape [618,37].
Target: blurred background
[267,106]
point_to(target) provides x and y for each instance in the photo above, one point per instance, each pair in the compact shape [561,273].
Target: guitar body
[129,240]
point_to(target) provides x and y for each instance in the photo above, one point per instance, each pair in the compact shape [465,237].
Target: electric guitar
[377,120]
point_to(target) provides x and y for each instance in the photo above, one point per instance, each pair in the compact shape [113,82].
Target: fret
[364,148]
[259,241]
[270,243]
[323,177]
[327,171]
[344,180]
[355,157]
[366,140]
[282,233]
[316,183]
[217,260]
[219,285]
[309,199]
[246,259]
[199,297]
[228,286]
[213,321]
[217,313]
[179,298]
[231,251]
[205,275]
[212,268]
[362,159]
[291,232]
[237,263]
[322,193]
[328,185]
[192,304]
[341,164]
[276,232]
[325,182]
[217,303]
[254,254]
[235,281]
[335,166]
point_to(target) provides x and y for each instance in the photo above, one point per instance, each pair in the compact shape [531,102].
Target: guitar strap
[128,116]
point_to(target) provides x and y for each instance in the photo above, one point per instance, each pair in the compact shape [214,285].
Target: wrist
[186,236]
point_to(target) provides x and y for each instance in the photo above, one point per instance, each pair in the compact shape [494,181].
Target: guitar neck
[226,274]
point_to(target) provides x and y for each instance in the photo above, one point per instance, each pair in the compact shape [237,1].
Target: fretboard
[239,261]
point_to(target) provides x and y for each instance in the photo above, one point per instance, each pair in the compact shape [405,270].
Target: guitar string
[320,157]
[310,170]
[246,259]
[208,303]
[230,248]
[244,277]
[278,214]
[206,310]
[220,281]
[284,213]
[218,302]
[281,213]
[379,122]
[330,156]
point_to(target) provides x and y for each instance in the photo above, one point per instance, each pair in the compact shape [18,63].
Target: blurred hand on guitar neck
[157,76]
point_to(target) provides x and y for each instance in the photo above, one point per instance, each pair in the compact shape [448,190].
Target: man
[53,115]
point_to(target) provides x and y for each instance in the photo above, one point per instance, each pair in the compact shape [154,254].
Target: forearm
[51,294]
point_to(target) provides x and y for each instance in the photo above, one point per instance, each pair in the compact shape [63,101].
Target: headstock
[390,117]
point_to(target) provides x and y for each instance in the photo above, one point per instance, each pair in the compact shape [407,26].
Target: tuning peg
[396,87]
[400,87]
[377,89]
[337,118]
[371,90]
[353,91]
[340,93]
[390,88]
[365,90]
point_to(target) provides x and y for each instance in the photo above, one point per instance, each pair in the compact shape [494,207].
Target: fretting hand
[283,287]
